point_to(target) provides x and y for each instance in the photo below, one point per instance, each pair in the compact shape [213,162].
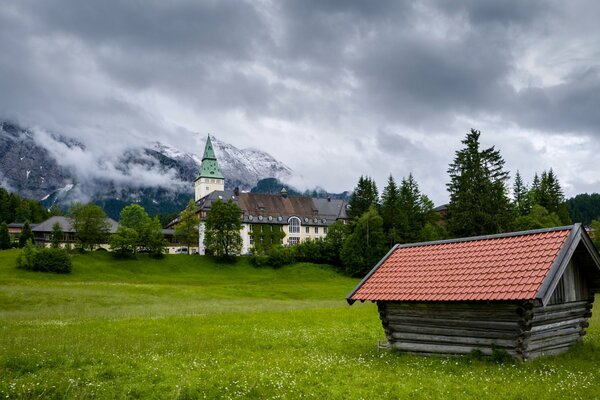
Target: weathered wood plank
[562,306]
[556,325]
[450,331]
[463,340]
[552,342]
[497,325]
[554,333]
[558,315]
[444,349]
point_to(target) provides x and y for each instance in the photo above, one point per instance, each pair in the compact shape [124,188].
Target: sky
[334,89]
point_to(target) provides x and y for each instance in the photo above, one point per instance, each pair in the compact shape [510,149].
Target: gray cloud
[348,88]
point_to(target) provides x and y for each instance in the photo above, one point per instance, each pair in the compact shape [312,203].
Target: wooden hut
[528,293]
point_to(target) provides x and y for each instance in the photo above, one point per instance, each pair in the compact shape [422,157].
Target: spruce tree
[416,210]
[363,197]
[479,204]
[521,199]
[547,192]
[390,211]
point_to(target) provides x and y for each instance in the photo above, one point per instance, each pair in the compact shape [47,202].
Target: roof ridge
[489,237]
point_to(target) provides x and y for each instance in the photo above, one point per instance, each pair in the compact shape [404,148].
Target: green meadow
[185,327]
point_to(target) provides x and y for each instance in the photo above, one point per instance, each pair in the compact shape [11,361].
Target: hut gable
[529,293]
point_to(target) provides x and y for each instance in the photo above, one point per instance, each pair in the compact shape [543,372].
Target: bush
[280,256]
[44,260]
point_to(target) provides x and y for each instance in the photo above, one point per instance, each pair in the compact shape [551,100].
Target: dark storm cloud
[571,106]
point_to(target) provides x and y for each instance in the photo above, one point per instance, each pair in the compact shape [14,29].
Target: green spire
[209,167]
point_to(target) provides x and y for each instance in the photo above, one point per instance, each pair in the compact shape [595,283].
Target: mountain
[56,169]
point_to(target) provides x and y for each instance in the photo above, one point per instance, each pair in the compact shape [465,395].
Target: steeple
[209,177]
[209,167]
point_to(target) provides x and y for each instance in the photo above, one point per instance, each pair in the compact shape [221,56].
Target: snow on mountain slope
[54,168]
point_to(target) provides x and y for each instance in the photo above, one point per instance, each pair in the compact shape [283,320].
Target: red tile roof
[504,267]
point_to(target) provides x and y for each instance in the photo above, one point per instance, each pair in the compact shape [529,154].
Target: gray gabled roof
[66,225]
[277,208]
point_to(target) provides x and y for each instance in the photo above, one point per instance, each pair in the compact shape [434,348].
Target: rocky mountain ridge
[153,173]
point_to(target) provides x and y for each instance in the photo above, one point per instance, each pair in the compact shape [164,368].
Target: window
[316,230]
[251,228]
[294,225]
[325,230]
[308,229]
[293,241]
[251,240]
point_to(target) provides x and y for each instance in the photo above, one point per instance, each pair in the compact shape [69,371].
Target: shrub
[280,256]
[44,260]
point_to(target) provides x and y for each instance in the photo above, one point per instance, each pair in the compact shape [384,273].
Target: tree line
[480,204]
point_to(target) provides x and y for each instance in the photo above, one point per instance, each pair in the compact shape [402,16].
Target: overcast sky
[334,89]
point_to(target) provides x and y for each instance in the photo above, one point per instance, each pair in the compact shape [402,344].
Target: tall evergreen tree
[548,193]
[390,211]
[416,210]
[4,236]
[363,197]
[521,198]
[4,206]
[479,203]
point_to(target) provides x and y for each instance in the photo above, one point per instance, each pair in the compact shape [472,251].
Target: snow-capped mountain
[53,168]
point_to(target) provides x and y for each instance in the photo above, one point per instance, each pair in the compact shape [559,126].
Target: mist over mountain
[55,169]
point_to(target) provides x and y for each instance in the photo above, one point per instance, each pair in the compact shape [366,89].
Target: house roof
[277,209]
[515,266]
[66,226]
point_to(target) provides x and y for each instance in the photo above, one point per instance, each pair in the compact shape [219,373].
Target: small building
[527,293]
[42,232]
[15,229]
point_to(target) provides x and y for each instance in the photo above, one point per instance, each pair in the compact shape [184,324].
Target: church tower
[209,177]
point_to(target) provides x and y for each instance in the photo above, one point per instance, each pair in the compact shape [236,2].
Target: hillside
[185,327]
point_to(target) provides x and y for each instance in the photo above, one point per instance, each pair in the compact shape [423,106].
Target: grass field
[185,327]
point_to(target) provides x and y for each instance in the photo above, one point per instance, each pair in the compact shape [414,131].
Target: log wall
[525,330]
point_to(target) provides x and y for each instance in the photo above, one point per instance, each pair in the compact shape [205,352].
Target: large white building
[265,217]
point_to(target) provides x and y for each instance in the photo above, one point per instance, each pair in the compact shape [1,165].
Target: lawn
[186,327]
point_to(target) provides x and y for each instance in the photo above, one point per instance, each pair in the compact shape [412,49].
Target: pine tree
[521,198]
[4,236]
[390,211]
[363,197]
[479,203]
[547,192]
